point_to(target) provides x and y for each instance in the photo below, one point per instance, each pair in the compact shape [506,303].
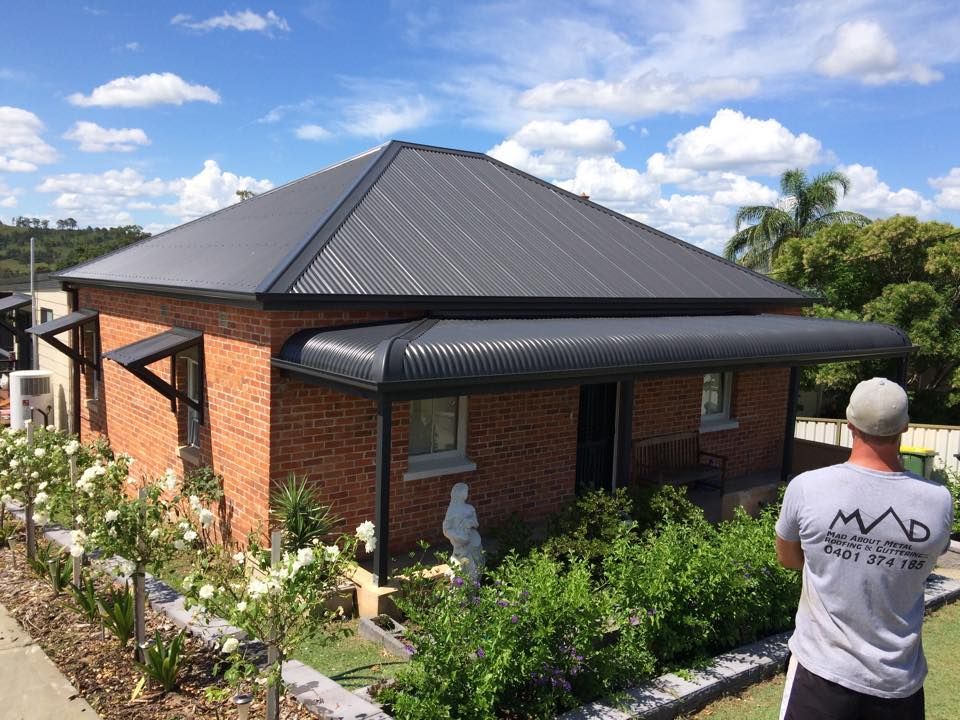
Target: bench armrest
[716,456]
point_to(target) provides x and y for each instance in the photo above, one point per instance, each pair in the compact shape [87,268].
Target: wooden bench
[678,460]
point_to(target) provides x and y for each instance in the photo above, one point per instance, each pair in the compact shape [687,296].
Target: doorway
[596,437]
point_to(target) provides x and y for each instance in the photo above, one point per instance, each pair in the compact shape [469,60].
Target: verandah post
[381,503]
[789,431]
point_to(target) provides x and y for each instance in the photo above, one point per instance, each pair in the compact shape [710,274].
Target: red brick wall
[758,404]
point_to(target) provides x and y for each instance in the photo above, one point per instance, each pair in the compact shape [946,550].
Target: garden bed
[103,673]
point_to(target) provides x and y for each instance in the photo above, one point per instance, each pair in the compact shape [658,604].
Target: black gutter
[223,297]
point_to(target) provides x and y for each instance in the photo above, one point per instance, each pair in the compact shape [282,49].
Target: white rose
[77,550]
[304,556]
[195,503]
[332,552]
[78,537]
[179,544]
[242,606]
[206,592]
[257,587]
[229,645]
[34,475]
[39,452]
[365,531]
[14,463]
[206,517]
[43,485]
[189,536]
[17,485]
[40,498]
[6,498]
[78,519]
[155,533]
[111,515]
[51,428]
[239,558]
[41,518]
[71,448]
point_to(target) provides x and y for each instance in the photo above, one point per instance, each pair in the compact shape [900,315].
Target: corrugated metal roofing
[155,347]
[477,352]
[413,221]
[64,323]
[14,301]
[233,249]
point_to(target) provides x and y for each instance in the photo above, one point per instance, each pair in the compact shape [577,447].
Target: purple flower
[480,653]
[634,620]
[514,619]
[651,613]
[411,650]
[457,582]
[502,603]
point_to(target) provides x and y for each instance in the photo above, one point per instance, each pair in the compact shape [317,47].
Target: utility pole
[35,363]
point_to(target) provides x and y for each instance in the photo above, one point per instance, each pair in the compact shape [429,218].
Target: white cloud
[132,46]
[8,196]
[735,141]
[949,187]
[862,49]
[313,132]
[694,218]
[111,197]
[608,182]
[732,189]
[869,195]
[244,21]
[551,149]
[210,190]
[380,119]
[649,93]
[21,147]
[144,91]
[93,138]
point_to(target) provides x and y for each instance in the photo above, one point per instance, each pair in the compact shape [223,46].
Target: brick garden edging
[315,691]
[669,695]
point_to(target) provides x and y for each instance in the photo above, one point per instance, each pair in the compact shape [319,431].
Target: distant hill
[59,249]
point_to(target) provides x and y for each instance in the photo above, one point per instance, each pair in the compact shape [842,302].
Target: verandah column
[624,454]
[381,506]
[789,431]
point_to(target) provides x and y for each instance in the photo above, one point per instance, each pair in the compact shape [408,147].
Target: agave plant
[297,510]
[161,662]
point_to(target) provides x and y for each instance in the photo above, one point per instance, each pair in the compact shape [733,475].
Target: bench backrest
[668,451]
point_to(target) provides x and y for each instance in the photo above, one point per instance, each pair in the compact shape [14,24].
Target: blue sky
[675,113]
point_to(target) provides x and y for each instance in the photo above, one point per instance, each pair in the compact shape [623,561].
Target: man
[866,535]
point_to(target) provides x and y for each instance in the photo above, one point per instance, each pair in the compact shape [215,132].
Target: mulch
[103,673]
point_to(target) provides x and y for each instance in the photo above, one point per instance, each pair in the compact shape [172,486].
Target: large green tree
[804,208]
[899,271]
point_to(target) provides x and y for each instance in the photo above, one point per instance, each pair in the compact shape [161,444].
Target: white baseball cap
[878,407]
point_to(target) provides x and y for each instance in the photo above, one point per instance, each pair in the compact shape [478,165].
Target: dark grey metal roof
[14,301]
[447,355]
[62,324]
[409,222]
[155,347]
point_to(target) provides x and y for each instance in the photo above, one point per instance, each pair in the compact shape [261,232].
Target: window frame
[194,383]
[444,462]
[721,420]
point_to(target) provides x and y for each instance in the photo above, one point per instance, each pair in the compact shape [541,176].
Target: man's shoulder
[830,472]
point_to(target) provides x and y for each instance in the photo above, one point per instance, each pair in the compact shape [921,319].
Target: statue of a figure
[460,528]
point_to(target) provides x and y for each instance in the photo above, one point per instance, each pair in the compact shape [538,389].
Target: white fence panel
[945,439]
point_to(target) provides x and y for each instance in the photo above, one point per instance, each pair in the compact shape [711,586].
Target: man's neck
[886,460]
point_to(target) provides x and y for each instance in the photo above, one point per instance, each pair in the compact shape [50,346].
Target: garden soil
[103,673]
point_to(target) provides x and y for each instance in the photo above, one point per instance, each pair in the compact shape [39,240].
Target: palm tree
[803,209]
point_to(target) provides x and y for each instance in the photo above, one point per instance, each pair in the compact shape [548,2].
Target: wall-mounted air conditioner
[31,397]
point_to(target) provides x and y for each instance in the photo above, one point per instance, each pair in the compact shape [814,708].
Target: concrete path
[31,687]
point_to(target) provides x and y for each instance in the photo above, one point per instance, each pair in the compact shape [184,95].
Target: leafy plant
[85,598]
[205,484]
[116,610]
[50,562]
[951,479]
[297,510]
[162,660]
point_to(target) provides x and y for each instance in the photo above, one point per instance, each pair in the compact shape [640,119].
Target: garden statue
[460,528]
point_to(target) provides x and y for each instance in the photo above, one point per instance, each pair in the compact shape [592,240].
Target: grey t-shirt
[869,539]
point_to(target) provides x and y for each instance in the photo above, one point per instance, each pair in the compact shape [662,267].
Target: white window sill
[437,467]
[717,425]
[189,454]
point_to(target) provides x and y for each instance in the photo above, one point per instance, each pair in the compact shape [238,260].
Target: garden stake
[273,689]
[139,603]
[28,510]
[77,561]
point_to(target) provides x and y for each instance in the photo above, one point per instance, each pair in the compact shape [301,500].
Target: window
[88,348]
[46,315]
[715,402]
[194,383]
[437,437]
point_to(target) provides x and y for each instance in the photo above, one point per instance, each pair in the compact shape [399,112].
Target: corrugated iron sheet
[481,351]
[151,349]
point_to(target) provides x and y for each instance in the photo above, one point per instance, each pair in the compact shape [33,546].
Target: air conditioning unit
[31,397]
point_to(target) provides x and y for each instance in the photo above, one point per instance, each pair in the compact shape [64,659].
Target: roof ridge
[629,220]
[271,191]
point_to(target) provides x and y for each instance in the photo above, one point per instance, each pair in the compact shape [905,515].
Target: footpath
[31,687]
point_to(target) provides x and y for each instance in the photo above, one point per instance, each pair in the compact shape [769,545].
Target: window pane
[712,394]
[444,424]
[421,426]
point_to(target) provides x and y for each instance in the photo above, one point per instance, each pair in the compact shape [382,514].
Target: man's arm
[790,554]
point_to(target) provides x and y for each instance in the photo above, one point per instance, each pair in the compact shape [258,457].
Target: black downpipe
[381,507]
[74,296]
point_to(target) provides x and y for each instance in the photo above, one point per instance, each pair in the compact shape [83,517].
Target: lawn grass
[941,643]
[351,661]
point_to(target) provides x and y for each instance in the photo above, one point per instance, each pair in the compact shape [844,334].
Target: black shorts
[809,697]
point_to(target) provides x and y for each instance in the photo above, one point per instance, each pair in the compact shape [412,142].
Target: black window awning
[71,321]
[447,356]
[136,356]
[14,301]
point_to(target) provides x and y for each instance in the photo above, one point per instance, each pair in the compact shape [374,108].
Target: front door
[596,434]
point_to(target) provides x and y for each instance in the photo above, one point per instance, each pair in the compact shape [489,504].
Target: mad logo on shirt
[877,542]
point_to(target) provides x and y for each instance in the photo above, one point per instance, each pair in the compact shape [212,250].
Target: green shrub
[297,511]
[52,563]
[116,610]
[162,660]
[951,479]
[85,598]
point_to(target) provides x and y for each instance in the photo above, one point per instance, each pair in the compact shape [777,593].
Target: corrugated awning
[448,356]
[14,301]
[62,324]
[156,347]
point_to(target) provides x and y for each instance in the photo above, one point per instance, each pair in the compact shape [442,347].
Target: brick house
[416,316]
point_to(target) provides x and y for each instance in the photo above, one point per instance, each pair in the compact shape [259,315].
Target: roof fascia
[297,260]
[219,297]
